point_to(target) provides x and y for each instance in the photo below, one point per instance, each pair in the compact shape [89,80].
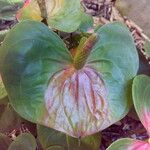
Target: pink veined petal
[78,101]
[139,145]
[145,119]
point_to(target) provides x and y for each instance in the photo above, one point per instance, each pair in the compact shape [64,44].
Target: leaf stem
[79,141]
[42,6]
[83,51]
[67,139]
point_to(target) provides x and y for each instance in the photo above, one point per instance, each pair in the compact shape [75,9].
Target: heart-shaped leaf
[129,144]
[78,95]
[63,15]
[91,142]
[86,22]
[4,142]
[25,141]
[49,138]
[141,98]
[3,92]
[8,8]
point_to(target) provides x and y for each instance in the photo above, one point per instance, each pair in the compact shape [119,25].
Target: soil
[138,11]
[7,24]
[126,128]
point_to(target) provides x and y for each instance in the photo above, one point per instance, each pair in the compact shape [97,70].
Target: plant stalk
[42,6]
[83,51]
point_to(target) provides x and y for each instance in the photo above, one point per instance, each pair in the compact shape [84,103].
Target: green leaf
[141,98]
[66,16]
[3,92]
[91,142]
[62,15]
[4,141]
[129,144]
[52,91]
[49,138]
[147,49]
[86,22]
[8,8]
[25,141]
